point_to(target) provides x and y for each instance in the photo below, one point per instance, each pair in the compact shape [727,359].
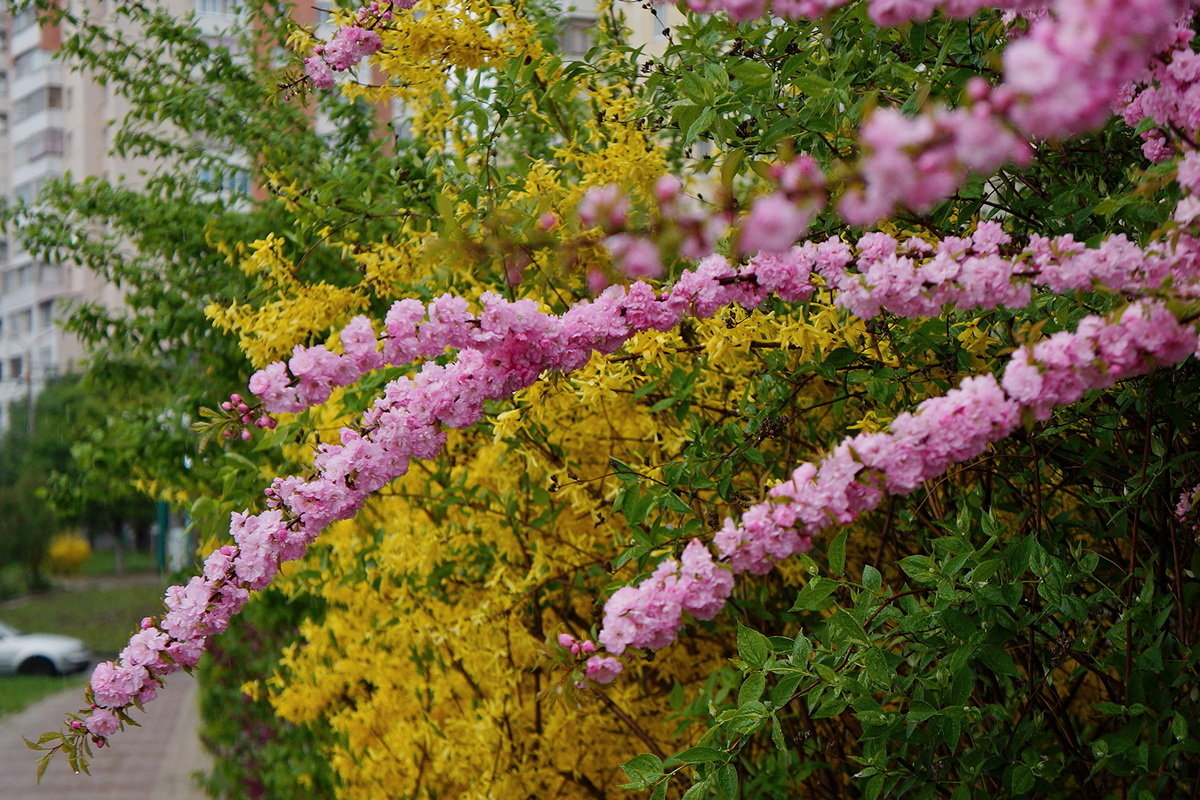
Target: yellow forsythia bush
[68,552]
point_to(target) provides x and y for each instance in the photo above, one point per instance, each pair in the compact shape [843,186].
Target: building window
[576,36]
[47,142]
[38,100]
[233,180]
[46,314]
[29,190]
[30,60]
[49,274]
[226,7]
[14,367]
[23,19]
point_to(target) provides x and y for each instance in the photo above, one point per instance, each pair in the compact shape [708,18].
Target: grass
[102,618]
[104,563]
[24,690]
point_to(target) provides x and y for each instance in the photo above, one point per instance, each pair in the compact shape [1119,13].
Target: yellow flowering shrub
[68,551]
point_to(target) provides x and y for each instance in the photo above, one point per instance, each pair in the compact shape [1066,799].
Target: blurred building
[53,121]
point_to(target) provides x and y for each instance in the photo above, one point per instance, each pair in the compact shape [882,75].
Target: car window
[6,631]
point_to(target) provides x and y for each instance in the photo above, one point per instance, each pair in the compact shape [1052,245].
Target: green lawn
[103,618]
[19,691]
[104,562]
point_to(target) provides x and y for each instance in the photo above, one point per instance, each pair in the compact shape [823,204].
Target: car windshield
[8,630]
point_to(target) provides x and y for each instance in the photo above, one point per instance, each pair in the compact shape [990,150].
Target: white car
[40,653]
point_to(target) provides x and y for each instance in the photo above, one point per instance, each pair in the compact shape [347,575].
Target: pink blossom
[603,669]
[104,722]
[319,73]
[773,224]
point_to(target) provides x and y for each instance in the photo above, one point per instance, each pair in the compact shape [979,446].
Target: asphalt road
[153,762]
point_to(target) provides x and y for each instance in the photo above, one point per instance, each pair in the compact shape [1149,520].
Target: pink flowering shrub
[986,442]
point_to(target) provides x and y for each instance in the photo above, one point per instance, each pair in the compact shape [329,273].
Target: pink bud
[978,89]
[227,406]
[587,646]
[566,640]
[547,221]
[597,282]
[245,434]
[667,188]
[235,398]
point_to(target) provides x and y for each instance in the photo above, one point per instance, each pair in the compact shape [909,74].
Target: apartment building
[52,121]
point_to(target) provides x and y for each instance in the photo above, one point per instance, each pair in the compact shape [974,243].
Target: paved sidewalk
[153,762]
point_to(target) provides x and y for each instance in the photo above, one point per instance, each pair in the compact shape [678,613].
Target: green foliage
[1022,629]
[40,480]
[255,753]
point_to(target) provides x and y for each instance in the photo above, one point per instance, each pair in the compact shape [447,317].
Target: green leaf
[753,647]
[837,552]
[642,771]
[871,578]
[801,647]
[782,692]
[777,734]
[727,782]
[997,660]
[636,506]
[699,755]
[752,688]
[815,595]
[1179,727]
[919,568]
[702,123]
[1022,779]
[664,404]
[671,502]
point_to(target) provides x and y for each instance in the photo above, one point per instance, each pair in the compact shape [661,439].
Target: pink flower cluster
[600,669]
[917,279]
[241,417]
[854,476]
[1171,97]
[1061,79]
[350,44]
[1184,509]
[918,161]
[649,615]
[778,219]
[1072,66]
[911,278]
[638,256]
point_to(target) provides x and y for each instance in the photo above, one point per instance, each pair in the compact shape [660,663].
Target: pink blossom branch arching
[508,345]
